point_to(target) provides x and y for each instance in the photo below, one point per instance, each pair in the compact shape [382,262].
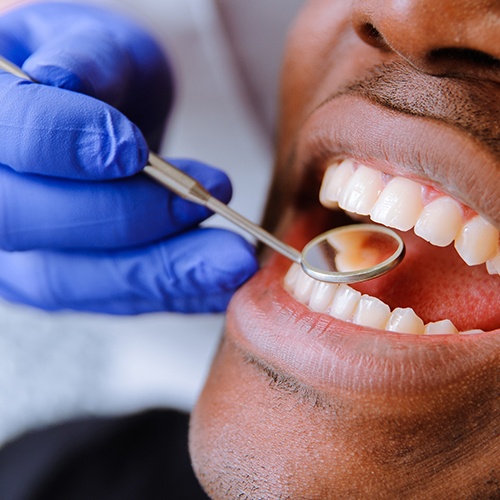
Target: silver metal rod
[261,234]
[177,181]
[11,68]
[188,188]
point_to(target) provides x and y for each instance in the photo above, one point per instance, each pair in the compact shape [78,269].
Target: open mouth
[420,325]
[469,249]
[434,184]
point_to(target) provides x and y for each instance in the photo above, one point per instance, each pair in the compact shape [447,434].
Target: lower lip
[322,352]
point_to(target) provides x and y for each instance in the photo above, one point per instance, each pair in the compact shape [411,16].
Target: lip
[424,149]
[325,353]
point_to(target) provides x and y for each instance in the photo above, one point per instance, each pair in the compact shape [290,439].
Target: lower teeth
[345,303]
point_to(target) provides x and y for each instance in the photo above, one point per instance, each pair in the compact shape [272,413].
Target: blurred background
[226,57]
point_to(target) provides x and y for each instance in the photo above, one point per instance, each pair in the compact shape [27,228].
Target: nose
[439,37]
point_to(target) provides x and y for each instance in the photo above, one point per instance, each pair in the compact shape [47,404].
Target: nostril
[457,56]
[438,37]
[371,35]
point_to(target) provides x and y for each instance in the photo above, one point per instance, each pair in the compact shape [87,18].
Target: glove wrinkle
[123,63]
[96,143]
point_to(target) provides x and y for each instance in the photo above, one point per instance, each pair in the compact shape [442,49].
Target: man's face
[368,391]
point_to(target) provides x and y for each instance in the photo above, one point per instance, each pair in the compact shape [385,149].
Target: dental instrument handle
[188,188]
[11,68]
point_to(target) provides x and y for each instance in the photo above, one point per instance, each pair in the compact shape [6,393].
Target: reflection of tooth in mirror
[351,254]
[351,250]
[360,250]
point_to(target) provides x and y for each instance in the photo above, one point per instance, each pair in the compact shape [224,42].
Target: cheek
[308,44]
[244,437]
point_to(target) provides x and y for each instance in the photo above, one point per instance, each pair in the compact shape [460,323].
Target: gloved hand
[77,228]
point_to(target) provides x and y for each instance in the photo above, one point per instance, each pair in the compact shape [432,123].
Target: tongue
[437,284]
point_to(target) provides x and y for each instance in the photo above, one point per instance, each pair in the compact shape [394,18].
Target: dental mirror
[352,253]
[347,254]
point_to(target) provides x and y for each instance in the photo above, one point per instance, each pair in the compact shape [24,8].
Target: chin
[389,388]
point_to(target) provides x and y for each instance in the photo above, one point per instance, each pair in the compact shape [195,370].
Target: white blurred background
[57,366]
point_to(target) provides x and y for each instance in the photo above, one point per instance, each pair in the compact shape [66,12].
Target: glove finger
[84,59]
[195,272]
[42,212]
[54,132]
[92,51]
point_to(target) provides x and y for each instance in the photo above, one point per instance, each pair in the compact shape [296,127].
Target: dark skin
[298,405]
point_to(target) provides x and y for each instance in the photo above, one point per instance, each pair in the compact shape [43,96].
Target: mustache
[465,103]
[471,105]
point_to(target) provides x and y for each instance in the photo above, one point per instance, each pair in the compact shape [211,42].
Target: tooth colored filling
[436,218]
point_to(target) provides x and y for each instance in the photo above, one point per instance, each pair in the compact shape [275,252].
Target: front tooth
[347,304]
[477,241]
[344,303]
[404,320]
[439,222]
[472,332]
[291,277]
[444,326]
[399,205]
[321,296]
[334,181]
[303,287]
[371,312]
[362,191]
[493,265]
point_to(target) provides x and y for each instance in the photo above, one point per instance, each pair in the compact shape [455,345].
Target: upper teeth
[404,204]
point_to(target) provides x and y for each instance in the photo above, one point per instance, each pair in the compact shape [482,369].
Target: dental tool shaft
[11,68]
[188,188]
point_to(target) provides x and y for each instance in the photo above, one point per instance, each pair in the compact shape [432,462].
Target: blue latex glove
[78,229]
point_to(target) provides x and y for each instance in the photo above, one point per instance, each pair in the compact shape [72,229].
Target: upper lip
[432,147]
